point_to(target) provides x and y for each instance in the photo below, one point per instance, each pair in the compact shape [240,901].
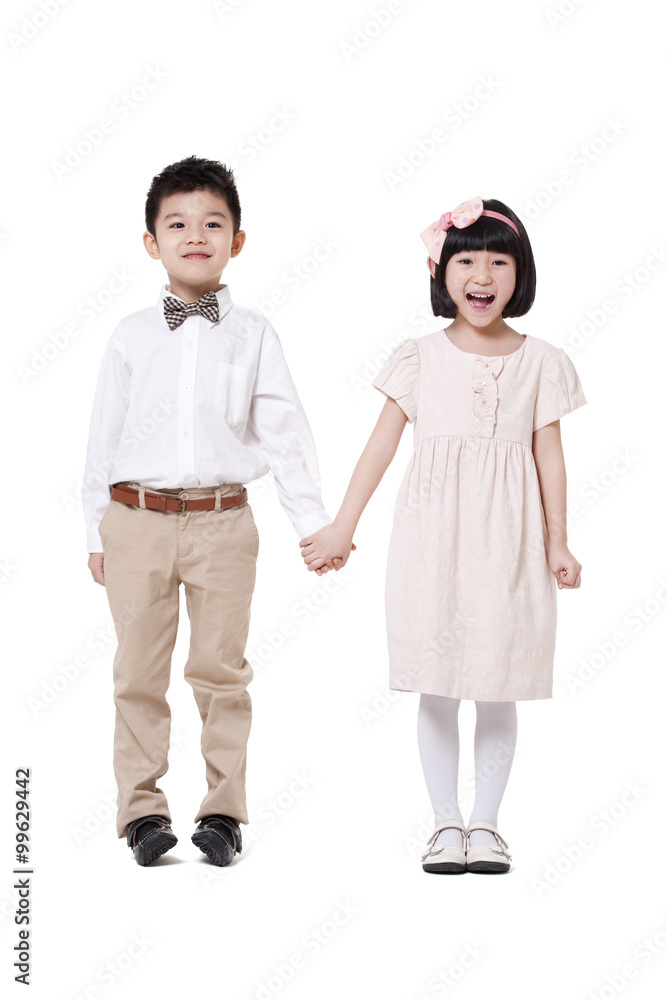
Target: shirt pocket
[233,392]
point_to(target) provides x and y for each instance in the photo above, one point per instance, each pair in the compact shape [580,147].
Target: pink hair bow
[461,217]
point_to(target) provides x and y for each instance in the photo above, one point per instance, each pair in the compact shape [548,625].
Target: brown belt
[159,501]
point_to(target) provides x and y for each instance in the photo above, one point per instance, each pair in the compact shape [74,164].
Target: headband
[462,216]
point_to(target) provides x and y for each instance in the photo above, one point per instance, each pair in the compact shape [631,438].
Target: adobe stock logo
[32,24]
[120,110]
[364,34]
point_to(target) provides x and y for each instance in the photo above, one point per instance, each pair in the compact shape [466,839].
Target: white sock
[495,742]
[438,740]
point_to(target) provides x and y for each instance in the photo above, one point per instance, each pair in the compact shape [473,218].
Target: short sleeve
[399,377]
[559,392]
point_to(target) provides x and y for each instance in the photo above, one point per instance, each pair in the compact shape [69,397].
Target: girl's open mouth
[480,302]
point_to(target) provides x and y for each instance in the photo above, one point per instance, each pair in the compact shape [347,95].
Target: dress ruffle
[485,393]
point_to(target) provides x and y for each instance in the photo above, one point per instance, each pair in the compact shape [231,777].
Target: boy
[193,400]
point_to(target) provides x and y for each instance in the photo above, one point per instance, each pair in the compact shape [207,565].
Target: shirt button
[485,365]
[484,383]
[484,401]
[186,387]
[188,343]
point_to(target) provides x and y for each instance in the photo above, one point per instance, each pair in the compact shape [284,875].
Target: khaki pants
[147,555]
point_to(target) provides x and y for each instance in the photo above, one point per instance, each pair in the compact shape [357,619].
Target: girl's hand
[564,566]
[329,547]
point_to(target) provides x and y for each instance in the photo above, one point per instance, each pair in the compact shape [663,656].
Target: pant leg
[142,588]
[217,562]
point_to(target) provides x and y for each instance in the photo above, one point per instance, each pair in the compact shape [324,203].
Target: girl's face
[480,284]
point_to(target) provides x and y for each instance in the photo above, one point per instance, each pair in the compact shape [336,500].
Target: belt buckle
[183,498]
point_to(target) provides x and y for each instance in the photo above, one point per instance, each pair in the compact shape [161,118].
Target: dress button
[484,383]
[484,401]
[485,365]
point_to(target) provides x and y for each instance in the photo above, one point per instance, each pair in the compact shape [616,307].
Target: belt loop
[218,495]
[142,497]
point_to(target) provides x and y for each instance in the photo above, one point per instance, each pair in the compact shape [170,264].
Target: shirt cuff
[308,524]
[94,542]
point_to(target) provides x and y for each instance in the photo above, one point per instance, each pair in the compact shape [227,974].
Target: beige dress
[470,598]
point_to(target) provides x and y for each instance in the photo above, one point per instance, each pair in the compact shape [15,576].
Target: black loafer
[219,838]
[150,837]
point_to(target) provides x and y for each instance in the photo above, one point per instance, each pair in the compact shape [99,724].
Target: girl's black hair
[193,174]
[497,237]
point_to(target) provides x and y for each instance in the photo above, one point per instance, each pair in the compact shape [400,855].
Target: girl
[479,543]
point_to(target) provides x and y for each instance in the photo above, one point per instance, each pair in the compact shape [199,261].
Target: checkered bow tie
[176,311]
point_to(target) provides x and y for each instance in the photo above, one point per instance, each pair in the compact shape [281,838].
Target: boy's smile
[194,239]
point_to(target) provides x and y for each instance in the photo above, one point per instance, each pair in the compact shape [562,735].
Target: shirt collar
[222,295]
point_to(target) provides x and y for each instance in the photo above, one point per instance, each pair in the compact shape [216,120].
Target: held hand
[565,567]
[96,566]
[328,548]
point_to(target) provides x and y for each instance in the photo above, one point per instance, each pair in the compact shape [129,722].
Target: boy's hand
[96,566]
[329,548]
[564,567]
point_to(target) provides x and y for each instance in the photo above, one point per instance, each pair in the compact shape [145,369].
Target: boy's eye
[174,224]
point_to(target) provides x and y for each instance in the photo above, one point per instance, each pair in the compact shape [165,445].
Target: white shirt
[201,405]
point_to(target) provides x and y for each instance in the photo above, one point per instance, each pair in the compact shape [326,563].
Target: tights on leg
[495,741]
[438,740]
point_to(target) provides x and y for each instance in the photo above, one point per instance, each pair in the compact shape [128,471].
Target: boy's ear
[237,244]
[151,245]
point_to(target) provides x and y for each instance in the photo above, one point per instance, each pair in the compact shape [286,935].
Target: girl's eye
[465,260]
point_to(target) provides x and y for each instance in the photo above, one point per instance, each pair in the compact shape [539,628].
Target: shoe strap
[136,823]
[228,824]
[452,824]
[488,826]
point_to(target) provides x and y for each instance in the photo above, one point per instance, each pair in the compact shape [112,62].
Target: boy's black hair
[193,174]
[497,237]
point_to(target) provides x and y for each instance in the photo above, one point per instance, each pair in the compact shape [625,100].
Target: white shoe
[445,860]
[487,860]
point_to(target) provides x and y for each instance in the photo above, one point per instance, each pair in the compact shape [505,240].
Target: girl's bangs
[485,234]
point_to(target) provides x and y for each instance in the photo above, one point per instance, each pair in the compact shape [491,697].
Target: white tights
[495,742]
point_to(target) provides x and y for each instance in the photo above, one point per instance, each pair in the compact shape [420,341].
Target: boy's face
[194,239]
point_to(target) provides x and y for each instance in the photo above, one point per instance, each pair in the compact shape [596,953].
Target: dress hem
[459,697]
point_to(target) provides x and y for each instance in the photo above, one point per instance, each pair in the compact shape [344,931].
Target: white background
[360,100]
